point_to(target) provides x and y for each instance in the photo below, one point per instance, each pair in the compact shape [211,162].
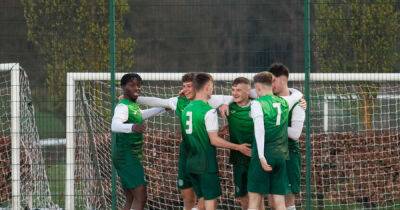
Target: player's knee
[244,202]
[253,205]
[278,202]
[290,201]
[241,202]
[144,198]
[188,200]
[128,200]
[201,205]
[140,194]
[129,197]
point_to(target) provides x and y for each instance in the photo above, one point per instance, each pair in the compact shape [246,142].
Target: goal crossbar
[81,76]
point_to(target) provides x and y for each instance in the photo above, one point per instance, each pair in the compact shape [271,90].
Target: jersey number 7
[277,106]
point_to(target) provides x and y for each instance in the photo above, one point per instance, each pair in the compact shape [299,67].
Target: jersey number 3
[189,122]
[277,106]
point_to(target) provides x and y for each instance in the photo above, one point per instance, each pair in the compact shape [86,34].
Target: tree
[358,36]
[72,36]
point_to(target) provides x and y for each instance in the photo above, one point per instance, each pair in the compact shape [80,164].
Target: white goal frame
[104,76]
[14,69]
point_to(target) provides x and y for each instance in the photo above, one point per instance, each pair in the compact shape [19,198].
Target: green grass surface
[56,176]
[50,125]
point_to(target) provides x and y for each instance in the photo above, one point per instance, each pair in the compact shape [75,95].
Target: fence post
[307,68]
[111,28]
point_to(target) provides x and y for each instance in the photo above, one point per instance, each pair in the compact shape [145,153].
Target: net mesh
[34,185]
[355,139]
[354,136]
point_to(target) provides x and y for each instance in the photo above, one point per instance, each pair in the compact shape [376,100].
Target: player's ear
[246,88]
[210,85]
[286,79]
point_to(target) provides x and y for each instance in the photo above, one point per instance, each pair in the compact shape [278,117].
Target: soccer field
[56,176]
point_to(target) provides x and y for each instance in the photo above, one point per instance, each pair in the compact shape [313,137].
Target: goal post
[15,131]
[337,103]
[23,178]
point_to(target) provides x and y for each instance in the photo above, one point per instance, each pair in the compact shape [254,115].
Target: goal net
[354,136]
[23,179]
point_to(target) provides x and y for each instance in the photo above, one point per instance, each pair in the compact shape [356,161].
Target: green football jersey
[276,112]
[241,131]
[201,155]
[181,104]
[131,142]
[294,146]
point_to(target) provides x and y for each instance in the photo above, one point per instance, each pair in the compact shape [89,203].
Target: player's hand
[245,149]
[181,93]
[224,110]
[139,128]
[120,97]
[303,103]
[265,166]
[224,131]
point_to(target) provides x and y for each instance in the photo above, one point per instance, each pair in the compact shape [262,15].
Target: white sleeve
[169,103]
[259,130]
[147,113]
[211,120]
[217,100]
[253,93]
[120,117]
[293,98]
[297,121]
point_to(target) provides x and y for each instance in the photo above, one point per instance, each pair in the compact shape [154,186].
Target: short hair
[264,78]
[188,77]
[130,77]
[278,69]
[241,80]
[200,80]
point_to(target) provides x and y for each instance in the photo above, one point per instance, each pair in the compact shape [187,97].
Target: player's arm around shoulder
[221,102]
[211,120]
[293,98]
[216,101]
[148,113]
[169,103]
[297,122]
